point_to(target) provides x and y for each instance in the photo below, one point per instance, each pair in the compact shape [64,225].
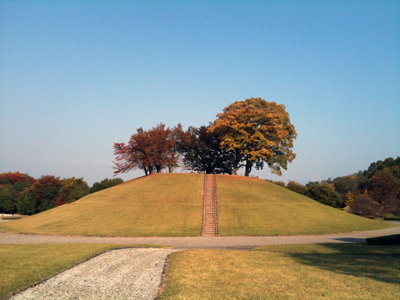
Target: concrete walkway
[235,242]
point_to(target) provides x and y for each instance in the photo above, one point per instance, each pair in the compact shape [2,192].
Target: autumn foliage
[371,193]
[248,133]
[13,178]
[257,132]
[11,186]
[21,193]
[151,150]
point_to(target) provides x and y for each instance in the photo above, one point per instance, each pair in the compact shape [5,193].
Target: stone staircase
[210,217]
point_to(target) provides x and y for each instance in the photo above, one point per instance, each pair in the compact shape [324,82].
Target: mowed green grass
[330,271]
[24,265]
[249,206]
[157,205]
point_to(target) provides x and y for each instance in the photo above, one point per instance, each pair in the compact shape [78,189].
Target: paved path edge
[219,242]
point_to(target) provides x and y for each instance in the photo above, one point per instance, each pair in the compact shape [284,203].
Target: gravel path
[235,242]
[119,274]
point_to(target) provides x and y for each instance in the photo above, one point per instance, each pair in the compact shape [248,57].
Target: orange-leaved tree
[256,131]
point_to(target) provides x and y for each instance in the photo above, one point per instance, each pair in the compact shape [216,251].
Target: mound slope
[157,205]
[171,205]
[248,206]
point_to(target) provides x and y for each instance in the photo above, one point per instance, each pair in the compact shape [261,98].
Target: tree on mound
[202,152]
[256,131]
[150,150]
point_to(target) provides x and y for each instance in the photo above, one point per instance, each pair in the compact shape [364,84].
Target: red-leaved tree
[150,150]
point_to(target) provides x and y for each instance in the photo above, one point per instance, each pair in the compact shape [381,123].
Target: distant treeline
[21,193]
[374,192]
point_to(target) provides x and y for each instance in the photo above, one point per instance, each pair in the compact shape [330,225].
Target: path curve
[119,274]
[233,242]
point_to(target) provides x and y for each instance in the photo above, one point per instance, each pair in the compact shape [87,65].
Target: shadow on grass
[351,240]
[359,260]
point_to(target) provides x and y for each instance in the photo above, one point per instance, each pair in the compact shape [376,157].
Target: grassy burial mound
[248,206]
[157,205]
[171,205]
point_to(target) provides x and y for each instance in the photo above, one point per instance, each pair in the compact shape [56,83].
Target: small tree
[105,184]
[345,184]
[296,187]
[11,185]
[256,131]
[46,190]
[325,194]
[72,190]
[363,205]
[384,188]
[27,204]
[8,199]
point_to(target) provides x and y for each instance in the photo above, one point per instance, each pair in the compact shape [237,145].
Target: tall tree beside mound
[256,132]
[150,150]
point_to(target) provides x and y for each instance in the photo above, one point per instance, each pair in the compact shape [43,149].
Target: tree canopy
[150,150]
[256,132]
[202,152]
[105,184]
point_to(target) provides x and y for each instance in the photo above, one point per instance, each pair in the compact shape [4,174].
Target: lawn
[157,205]
[330,271]
[24,265]
[249,206]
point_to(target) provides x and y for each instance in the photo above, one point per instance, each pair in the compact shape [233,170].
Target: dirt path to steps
[234,242]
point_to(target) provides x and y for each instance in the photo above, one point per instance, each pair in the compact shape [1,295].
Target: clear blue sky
[77,76]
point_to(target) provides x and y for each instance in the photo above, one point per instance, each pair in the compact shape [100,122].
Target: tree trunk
[249,165]
[150,170]
[236,162]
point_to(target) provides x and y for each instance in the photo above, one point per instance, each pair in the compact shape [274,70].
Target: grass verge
[24,265]
[330,271]
[249,206]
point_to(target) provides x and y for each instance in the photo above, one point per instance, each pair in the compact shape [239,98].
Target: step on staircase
[210,217]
